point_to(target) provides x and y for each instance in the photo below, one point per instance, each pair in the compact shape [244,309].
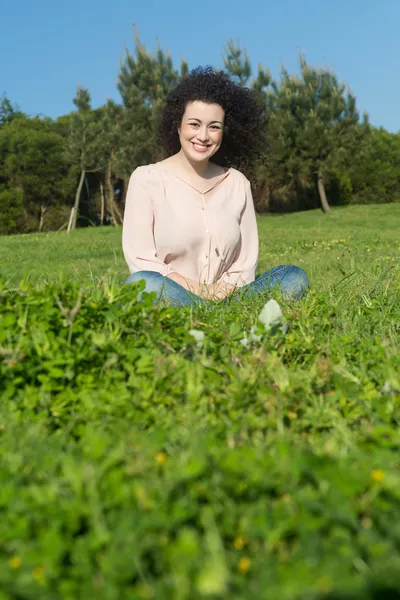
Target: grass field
[138,463]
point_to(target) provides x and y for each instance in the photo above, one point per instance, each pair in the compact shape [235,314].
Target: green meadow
[139,463]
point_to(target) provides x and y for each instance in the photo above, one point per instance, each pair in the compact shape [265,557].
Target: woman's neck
[193,168]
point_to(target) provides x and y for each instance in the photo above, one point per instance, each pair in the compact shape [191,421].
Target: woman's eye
[194,124]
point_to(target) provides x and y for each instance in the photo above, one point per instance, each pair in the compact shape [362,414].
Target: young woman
[190,228]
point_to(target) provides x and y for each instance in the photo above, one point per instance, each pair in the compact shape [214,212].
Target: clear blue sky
[48,47]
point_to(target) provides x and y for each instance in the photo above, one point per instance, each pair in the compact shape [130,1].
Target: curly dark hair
[245,118]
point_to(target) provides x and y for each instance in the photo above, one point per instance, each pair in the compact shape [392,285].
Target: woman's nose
[203,134]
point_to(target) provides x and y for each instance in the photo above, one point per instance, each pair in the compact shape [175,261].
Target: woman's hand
[207,291]
[218,291]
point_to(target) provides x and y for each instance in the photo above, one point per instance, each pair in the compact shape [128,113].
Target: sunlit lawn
[138,463]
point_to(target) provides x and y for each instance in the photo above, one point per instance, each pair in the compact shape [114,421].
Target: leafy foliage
[32,168]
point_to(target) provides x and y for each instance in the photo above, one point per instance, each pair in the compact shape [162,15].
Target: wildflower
[15,562]
[198,336]
[251,337]
[145,591]
[38,573]
[239,542]
[244,564]
[271,316]
[161,457]
[366,522]
[387,388]
[324,585]
[377,475]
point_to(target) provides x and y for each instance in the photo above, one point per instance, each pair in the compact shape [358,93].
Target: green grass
[136,464]
[360,236]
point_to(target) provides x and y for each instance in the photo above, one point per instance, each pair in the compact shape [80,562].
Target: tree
[31,155]
[144,81]
[110,118]
[375,169]
[314,122]
[83,144]
[8,112]
[237,64]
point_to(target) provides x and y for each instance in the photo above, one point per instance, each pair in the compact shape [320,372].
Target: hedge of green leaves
[137,463]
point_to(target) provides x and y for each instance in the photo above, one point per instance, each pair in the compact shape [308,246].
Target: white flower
[198,336]
[251,337]
[272,317]
[387,388]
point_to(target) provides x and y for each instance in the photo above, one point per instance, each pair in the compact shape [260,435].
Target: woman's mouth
[200,147]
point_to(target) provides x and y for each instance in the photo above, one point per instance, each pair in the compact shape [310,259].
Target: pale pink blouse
[172,227]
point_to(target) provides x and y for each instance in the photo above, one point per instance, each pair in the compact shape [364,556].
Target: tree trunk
[322,194]
[43,211]
[102,206]
[71,218]
[126,185]
[111,204]
[74,212]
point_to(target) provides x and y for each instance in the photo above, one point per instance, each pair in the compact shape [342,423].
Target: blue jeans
[292,280]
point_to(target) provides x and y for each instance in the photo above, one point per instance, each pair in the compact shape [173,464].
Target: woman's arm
[137,232]
[242,271]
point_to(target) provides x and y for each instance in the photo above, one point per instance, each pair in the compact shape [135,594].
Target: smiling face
[201,131]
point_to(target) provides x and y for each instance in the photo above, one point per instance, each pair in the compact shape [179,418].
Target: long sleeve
[243,269]
[138,228]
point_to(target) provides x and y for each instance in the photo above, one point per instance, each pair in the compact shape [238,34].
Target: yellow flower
[240,542]
[143,590]
[15,562]
[292,415]
[37,573]
[244,564]
[324,585]
[377,475]
[161,457]
[366,522]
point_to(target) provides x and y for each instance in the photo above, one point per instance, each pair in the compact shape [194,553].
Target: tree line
[74,170]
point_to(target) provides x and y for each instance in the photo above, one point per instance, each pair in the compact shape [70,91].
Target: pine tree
[314,119]
[144,81]
[237,64]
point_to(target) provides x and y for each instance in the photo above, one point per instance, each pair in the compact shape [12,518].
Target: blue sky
[48,47]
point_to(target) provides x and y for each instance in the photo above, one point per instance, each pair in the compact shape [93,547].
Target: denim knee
[152,279]
[295,282]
